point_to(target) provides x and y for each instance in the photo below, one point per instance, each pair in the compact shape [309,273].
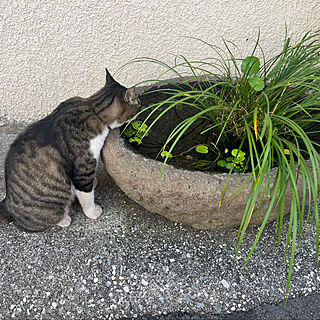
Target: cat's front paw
[95,213]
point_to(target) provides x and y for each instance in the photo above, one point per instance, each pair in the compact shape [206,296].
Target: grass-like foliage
[271,108]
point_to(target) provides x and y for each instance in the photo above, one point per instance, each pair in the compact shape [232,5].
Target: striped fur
[57,156]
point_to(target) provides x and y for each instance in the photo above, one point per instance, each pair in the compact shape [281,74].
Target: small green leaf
[143,127]
[132,140]
[202,149]
[138,140]
[221,163]
[230,159]
[229,165]
[226,150]
[239,160]
[250,65]
[234,152]
[240,153]
[129,132]
[140,134]
[136,125]
[166,154]
[286,151]
[256,83]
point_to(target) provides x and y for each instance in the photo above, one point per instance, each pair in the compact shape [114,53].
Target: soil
[153,143]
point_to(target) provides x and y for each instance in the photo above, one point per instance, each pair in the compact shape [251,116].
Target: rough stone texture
[189,197]
[53,50]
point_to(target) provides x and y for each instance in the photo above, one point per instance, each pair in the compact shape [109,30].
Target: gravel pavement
[134,264]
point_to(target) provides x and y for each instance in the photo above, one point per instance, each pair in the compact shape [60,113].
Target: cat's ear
[109,78]
[130,96]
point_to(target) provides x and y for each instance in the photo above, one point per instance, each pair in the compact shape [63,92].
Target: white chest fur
[96,143]
[115,124]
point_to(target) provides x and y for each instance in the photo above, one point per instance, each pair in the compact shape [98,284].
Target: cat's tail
[4,217]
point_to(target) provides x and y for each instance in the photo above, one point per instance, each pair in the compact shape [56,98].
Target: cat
[56,158]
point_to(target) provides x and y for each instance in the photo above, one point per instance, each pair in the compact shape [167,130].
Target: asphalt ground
[132,264]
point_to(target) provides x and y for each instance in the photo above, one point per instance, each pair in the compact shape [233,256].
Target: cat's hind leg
[65,222]
[40,220]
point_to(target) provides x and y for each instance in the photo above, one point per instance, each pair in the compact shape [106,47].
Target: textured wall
[51,50]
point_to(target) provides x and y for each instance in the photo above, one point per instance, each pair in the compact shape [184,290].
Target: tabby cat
[56,158]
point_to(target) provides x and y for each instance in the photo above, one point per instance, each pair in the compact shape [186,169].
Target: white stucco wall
[51,50]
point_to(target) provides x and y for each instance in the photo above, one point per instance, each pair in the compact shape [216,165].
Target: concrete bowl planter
[184,196]
[181,195]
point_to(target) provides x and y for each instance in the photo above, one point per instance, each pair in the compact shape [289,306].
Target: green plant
[270,110]
[136,131]
[235,162]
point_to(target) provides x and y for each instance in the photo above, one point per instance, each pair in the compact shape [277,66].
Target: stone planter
[189,197]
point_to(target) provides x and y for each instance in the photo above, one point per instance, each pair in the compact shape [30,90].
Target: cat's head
[125,104]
